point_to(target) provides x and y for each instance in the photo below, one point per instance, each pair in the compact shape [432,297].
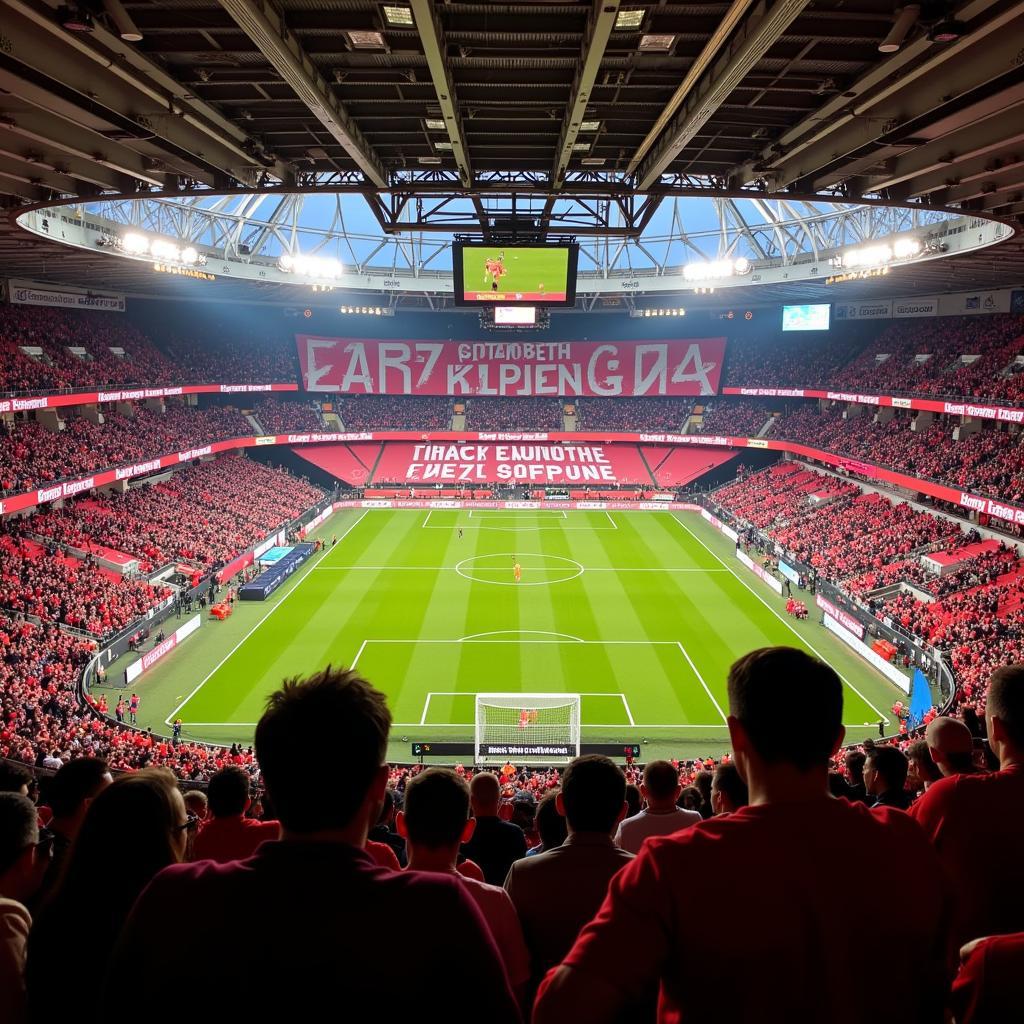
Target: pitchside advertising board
[466,368]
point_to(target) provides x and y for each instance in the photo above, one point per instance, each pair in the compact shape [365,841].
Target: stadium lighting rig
[161,250]
[643,314]
[366,311]
[884,255]
[716,270]
[319,267]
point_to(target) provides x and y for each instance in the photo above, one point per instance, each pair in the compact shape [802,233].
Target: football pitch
[641,613]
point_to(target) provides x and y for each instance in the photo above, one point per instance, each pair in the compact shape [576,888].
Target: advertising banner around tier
[557,368]
[614,506]
[765,577]
[881,310]
[975,409]
[848,621]
[29,403]
[887,668]
[719,525]
[162,649]
[25,293]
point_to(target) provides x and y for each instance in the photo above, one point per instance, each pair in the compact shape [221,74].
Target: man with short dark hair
[311,918]
[557,892]
[855,771]
[885,775]
[661,817]
[70,792]
[434,821]
[976,822]
[228,834]
[21,871]
[728,790]
[755,891]
[14,778]
[495,843]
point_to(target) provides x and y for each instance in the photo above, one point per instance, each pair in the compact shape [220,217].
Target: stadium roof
[448,115]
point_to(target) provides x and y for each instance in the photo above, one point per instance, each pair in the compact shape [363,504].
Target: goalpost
[526,727]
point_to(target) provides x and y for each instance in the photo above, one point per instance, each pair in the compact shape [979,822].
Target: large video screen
[805,318]
[511,275]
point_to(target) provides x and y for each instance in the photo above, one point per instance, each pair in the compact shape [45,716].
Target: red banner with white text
[578,465]
[556,368]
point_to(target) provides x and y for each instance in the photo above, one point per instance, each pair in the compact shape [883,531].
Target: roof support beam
[265,27]
[927,110]
[36,126]
[718,38]
[754,38]
[127,83]
[428,25]
[599,30]
[880,83]
[84,170]
[988,137]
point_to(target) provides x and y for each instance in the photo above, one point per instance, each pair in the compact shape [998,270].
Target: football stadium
[512,511]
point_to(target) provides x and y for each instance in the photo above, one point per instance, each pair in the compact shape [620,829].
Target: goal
[526,727]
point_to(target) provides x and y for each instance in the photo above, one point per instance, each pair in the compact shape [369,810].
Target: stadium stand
[736,417]
[205,514]
[31,454]
[649,415]
[485,413]
[278,416]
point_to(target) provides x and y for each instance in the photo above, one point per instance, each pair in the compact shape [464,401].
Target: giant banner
[579,464]
[557,368]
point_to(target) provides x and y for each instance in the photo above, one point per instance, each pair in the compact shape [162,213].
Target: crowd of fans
[490,413]
[226,354]
[988,460]
[923,356]
[279,415]
[32,455]
[395,412]
[45,584]
[55,332]
[567,895]
[650,414]
[736,417]
[996,339]
[204,515]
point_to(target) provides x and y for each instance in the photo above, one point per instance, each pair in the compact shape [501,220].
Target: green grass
[641,612]
[528,269]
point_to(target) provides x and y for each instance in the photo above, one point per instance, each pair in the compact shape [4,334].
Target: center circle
[536,570]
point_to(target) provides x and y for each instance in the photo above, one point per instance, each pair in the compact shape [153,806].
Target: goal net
[527,727]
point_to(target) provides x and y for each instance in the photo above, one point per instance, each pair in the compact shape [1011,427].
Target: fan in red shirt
[976,822]
[228,834]
[746,917]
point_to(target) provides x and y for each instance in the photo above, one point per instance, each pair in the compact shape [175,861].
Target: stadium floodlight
[133,243]
[879,255]
[542,727]
[320,267]
[715,270]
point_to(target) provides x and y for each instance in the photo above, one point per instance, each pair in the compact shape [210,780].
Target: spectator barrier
[890,671]
[162,649]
